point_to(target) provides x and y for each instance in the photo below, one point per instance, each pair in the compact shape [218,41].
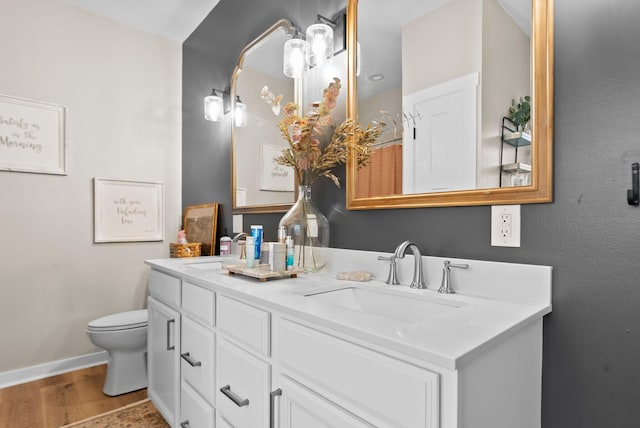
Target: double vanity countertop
[492,301]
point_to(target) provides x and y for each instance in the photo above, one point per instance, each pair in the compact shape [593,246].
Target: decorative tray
[261,272]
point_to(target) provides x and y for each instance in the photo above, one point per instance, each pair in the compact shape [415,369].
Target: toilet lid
[122,320]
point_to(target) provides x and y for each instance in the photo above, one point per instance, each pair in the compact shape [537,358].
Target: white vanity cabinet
[163,344]
[228,352]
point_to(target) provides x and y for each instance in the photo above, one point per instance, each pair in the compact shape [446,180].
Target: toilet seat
[121,321]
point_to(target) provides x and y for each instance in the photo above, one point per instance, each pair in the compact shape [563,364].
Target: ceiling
[171,19]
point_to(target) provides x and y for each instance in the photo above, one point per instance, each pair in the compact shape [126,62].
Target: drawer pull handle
[185,424]
[272,407]
[190,360]
[226,390]
[170,347]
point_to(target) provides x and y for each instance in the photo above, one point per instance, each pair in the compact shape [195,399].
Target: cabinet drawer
[198,357]
[390,392]
[199,303]
[247,325]
[165,288]
[242,389]
[194,411]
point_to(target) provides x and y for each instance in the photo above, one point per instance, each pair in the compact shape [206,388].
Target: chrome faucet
[418,280]
[445,285]
[237,246]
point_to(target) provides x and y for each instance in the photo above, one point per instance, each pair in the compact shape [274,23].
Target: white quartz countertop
[448,339]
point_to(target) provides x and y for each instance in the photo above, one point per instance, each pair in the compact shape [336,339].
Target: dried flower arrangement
[309,158]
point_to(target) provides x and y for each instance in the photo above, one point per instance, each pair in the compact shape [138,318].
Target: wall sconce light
[296,58]
[320,39]
[314,50]
[214,106]
[239,113]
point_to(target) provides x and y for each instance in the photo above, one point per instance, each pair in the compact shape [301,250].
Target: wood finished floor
[60,400]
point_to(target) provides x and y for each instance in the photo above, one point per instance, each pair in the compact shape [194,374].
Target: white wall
[122,89]
[432,45]
[506,73]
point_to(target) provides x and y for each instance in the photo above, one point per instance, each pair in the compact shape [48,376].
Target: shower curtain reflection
[383,176]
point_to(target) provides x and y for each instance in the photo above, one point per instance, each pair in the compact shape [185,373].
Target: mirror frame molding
[289,28]
[541,189]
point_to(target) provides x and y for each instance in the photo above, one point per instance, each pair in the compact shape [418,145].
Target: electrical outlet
[237,223]
[505,225]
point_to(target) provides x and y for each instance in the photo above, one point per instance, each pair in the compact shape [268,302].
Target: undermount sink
[207,262]
[207,265]
[386,304]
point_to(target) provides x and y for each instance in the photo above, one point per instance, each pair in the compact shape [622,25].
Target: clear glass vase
[310,231]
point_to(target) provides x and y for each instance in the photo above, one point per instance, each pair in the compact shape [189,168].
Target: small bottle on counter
[277,258]
[289,252]
[225,244]
[250,245]
[256,232]
[264,253]
[282,234]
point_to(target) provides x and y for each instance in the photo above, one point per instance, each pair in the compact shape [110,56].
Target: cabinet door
[163,359]
[302,408]
[242,385]
[381,389]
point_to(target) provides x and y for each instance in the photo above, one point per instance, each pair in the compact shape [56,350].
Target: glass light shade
[320,38]
[213,107]
[296,58]
[239,113]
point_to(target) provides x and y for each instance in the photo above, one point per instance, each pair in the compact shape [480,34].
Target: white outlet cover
[498,238]
[237,223]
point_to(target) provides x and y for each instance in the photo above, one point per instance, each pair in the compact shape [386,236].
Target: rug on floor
[141,414]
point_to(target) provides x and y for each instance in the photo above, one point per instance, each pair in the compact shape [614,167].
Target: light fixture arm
[327,21]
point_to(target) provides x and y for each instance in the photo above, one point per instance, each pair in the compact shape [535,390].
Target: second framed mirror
[468,89]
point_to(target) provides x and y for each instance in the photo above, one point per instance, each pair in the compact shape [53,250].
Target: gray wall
[589,234]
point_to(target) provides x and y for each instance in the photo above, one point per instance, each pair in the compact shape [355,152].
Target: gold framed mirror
[537,188]
[253,145]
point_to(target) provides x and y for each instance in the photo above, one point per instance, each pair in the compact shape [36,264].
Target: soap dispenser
[225,244]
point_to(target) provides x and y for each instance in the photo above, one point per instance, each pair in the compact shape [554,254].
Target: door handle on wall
[632,194]
[170,347]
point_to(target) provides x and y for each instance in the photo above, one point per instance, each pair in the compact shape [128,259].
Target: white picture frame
[128,211]
[32,136]
[274,177]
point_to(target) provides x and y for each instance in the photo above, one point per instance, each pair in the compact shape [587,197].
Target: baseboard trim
[40,371]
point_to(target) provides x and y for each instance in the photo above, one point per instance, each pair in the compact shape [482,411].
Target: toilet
[124,337]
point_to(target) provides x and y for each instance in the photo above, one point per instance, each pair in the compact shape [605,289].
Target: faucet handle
[392,279]
[445,285]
